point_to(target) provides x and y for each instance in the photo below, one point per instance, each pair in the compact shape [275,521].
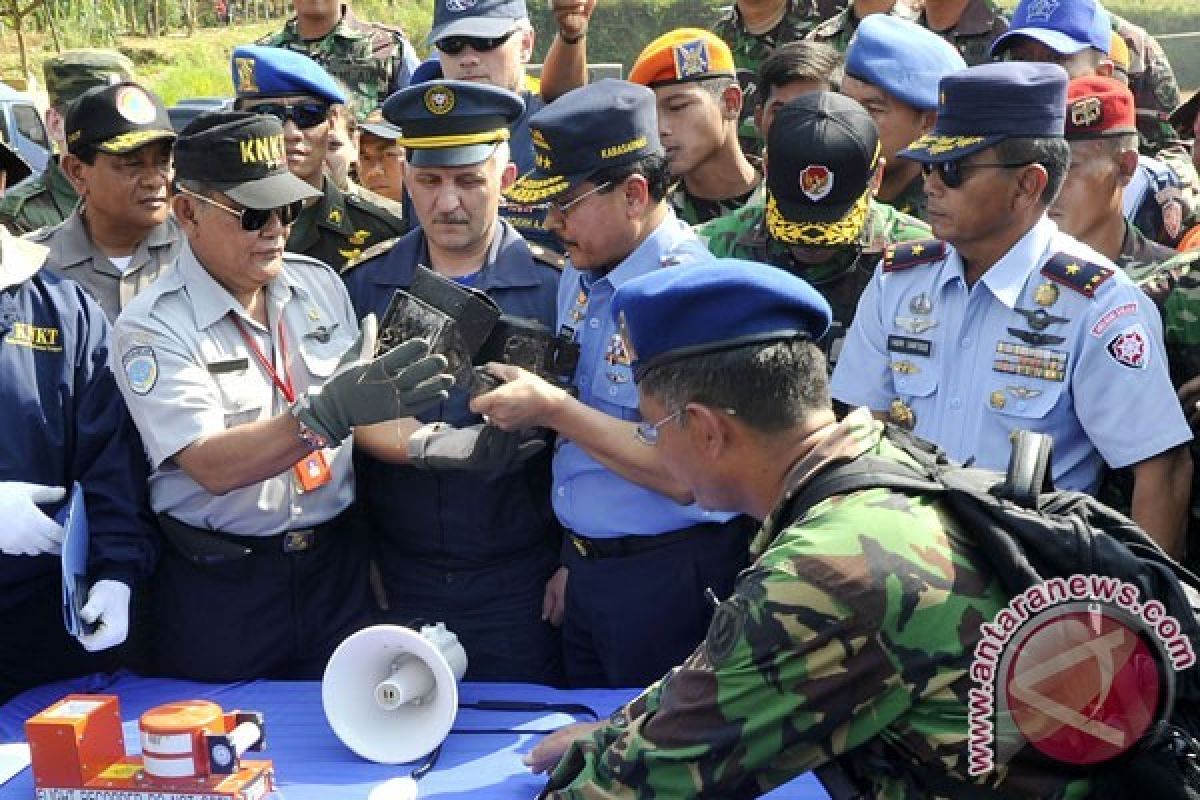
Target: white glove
[108,606]
[26,531]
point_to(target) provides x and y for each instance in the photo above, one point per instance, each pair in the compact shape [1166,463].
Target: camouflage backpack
[1030,533]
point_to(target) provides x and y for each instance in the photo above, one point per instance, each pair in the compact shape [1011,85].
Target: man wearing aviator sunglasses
[337,226]
[1006,323]
[245,373]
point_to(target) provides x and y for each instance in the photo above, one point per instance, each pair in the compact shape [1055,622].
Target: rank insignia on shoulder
[904,255]
[375,250]
[1075,273]
[544,255]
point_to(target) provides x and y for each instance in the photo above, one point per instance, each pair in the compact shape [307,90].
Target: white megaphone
[391,694]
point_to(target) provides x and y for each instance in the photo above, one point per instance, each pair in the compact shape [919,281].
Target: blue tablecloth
[312,764]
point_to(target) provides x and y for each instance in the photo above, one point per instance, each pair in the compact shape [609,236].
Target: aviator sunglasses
[305,115]
[453,45]
[254,219]
[951,172]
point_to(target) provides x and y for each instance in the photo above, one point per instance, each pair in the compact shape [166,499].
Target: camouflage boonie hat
[72,72]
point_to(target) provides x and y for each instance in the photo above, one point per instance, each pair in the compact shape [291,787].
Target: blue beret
[1065,26]
[603,124]
[901,58]
[274,72]
[983,105]
[676,312]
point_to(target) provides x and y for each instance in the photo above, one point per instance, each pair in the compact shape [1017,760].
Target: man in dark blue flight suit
[459,512]
[64,421]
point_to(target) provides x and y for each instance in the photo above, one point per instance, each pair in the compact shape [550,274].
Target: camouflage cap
[72,72]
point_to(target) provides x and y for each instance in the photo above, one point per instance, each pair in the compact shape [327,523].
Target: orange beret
[1099,106]
[685,54]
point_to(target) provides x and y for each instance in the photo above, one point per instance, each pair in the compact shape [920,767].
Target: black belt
[621,546]
[208,547]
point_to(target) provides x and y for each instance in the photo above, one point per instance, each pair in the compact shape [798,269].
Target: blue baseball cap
[901,58]
[985,104]
[1065,26]
[482,18]
[600,125]
[274,72]
[452,123]
[674,313]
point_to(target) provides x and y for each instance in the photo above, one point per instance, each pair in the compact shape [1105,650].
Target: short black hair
[771,387]
[813,62]
[1053,153]
[652,167]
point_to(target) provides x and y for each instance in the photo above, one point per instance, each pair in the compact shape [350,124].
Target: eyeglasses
[254,219]
[453,45]
[647,432]
[951,172]
[305,115]
[565,208]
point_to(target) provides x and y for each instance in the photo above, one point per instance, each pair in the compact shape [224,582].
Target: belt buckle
[581,546]
[299,541]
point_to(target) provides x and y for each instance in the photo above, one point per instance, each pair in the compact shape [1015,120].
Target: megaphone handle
[430,762]
[574,709]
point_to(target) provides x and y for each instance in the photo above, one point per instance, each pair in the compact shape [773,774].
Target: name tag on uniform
[910,346]
[232,365]
[312,471]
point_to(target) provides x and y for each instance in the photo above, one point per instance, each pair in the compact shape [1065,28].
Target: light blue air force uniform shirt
[1017,350]
[590,499]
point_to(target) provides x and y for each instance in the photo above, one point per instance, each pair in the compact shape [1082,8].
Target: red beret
[1099,106]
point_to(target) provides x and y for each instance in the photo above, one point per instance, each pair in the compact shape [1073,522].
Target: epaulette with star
[375,250]
[1076,273]
[544,255]
[905,255]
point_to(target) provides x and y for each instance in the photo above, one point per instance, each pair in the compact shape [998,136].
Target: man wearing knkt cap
[245,371]
[699,103]
[638,552]
[818,219]
[122,235]
[820,652]
[49,198]
[1004,322]
[892,69]
[491,41]
[458,511]
[334,227]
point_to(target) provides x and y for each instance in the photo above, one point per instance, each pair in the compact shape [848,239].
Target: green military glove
[483,448]
[364,390]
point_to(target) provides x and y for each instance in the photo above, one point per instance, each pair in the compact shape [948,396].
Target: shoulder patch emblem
[905,255]
[1076,273]
[141,368]
[1130,348]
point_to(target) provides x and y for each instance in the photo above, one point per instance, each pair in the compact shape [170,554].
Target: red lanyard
[284,384]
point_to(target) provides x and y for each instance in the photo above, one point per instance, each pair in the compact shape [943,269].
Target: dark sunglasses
[453,45]
[254,219]
[305,115]
[951,172]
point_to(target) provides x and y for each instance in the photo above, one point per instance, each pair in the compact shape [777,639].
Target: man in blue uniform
[1006,323]
[462,530]
[639,554]
[64,422]
[242,370]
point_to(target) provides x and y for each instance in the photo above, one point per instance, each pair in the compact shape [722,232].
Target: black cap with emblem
[116,119]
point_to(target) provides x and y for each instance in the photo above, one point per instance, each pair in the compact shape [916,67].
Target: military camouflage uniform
[837,31]
[981,23]
[698,210]
[1152,82]
[373,60]
[39,202]
[743,234]
[912,200]
[850,635]
[338,227]
[750,50]
[1140,255]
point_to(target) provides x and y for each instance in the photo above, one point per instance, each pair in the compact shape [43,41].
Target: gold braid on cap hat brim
[819,234]
[453,140]
[535,190]
[124,142]
[937,144]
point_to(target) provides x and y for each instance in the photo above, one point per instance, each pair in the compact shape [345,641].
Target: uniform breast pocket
[321,358]
[913,377]
[614,385]
[1022,401]
[242,397]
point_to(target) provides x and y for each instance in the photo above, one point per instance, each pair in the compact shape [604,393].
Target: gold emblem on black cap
[439,100]
[245,75]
